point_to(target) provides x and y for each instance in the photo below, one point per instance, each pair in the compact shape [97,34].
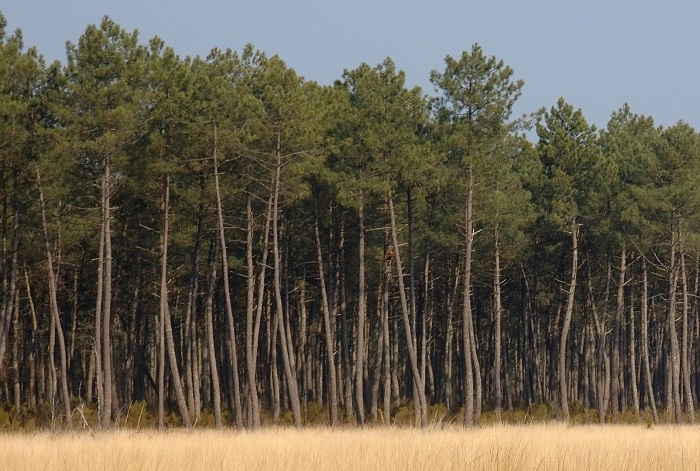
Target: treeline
[222,236]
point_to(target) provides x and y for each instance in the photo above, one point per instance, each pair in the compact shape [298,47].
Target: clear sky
[596,54]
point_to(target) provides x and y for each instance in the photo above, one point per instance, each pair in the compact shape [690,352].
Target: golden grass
[543,447]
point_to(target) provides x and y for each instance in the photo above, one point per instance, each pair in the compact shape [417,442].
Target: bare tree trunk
[9,294]
[633,357]
[254,409]
[165,308]
[567,320]
[361,315]
[410,344]
[386,409]
[53,304]
[617,328]
[467,304]
[645,342]
[330,341]
[674,357]
[289,370]
[497,349]
[213,369]
[227,290]
[685,363]
[17,390]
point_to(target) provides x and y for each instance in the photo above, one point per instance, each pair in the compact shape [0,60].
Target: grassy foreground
[545,447]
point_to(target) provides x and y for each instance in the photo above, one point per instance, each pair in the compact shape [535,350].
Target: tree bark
[674,354]
[567,320]
[53,304]
[497,349]
[227,291]
[685,363]
[645,342]
[165,308]
[213,368]
[617,333]
[289,371]
[467,304]
[361,315]
[330,341]
[410,344]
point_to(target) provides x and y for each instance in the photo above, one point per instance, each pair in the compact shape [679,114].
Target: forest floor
[527,447]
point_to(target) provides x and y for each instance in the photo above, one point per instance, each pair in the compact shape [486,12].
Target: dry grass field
[537,447]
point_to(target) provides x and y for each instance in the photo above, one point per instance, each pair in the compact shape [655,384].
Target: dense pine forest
[219,241]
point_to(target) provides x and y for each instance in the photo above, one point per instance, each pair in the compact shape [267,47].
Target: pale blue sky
[596,54]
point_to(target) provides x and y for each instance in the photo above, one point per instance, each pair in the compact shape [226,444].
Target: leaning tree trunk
[227,290]
[165,308]
[211,347]
[53,303]
[685,363]
[290,374]
[567,320]
[645,342]
[330,341]
[410,344]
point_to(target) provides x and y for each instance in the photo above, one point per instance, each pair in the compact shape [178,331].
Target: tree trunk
[386,409]
[254,408]
[633,357]
[53,304]
[497,328]
[674,357]
[330,341]
[105,307]
[165,308]
[361,315]
[645,342]
[410,344]
[617,333]
[213,368]
[567,320]
[685,363]
[290,374]
[227,291]
[467,304]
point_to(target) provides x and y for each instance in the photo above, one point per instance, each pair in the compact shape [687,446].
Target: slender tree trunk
[9,293]
[685,363]
[410,344]
[289,369]
[674,357]
[330,341]
[567,320]
[386,409]
[633,356]
[497,349]
[227,290]
[191,371]
[361,315]
[617,333]
[645,342]
[467,304]
[165,308]
[213,368]
[53,304]
[17,390]
[254,409]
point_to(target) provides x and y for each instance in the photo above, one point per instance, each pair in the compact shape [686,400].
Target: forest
[218,241]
